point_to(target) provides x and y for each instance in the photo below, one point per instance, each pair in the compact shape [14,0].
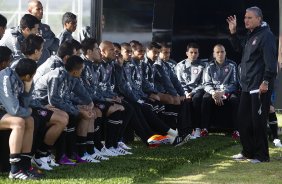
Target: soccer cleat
[98,152]
[192,137]
[21,175]
[123,146]
[164,139]
[66,161]
[235,135]
[178,141]
[89,159]
[277,143]
[107,152]
[77,159]
[34,173]
[158,139]
[112,149]
[41,163]
[97,156]
[51,162]
[204,133]
[187,137]
[122,151]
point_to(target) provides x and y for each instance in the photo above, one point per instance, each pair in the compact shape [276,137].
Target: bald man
[51,43]
[221,85]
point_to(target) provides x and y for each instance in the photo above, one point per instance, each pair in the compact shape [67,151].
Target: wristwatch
[265,82]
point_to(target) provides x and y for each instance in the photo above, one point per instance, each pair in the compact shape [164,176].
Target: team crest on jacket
[101,106]
[195,71]
[226,70]
[42,113]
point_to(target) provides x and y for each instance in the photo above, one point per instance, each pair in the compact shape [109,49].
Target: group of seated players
[70,102]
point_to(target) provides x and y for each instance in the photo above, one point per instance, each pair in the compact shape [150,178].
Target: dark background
[182,21]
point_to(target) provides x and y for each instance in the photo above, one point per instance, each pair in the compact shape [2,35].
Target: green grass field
[205,160]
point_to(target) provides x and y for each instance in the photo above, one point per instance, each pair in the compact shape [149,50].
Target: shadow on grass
[222,169]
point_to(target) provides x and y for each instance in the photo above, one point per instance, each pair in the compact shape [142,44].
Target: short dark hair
[74,63]
[117,45]
[75,44]
[3,21]
[135,45]
[192,45]
[88,44]
[65,49]
[152,45]
[166,45]
[68,17]
[134,42]
[124,44]
[5,54]
[28,21]
[25,67]
[31,43]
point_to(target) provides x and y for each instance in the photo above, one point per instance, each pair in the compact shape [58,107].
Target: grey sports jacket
[13,39]
[172,64]
[90,81]
[106,79]
[51,43]
[65,36]
[221,77]
[51,63]
[190,75]
[166,81]
[13,98]
[126,84]
[148,74]
[57,88]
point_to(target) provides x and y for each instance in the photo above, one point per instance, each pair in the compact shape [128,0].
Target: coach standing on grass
[258,70]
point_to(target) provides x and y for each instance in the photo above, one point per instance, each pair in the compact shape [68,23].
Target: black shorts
[73,120]
[41,116]
[2,113]
[103,106]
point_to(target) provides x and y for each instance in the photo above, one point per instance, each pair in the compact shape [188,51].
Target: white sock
[172,132]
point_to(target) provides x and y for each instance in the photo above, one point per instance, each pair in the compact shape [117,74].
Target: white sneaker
[97,156]
[112,149]
[88,158]
[123,151]
[123,146]
[51,162]
[106,152]
[197,133]
[254,161]
[41,163]
[192,137]
[187,137]
[277,143]
[239,156]
[97,151]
